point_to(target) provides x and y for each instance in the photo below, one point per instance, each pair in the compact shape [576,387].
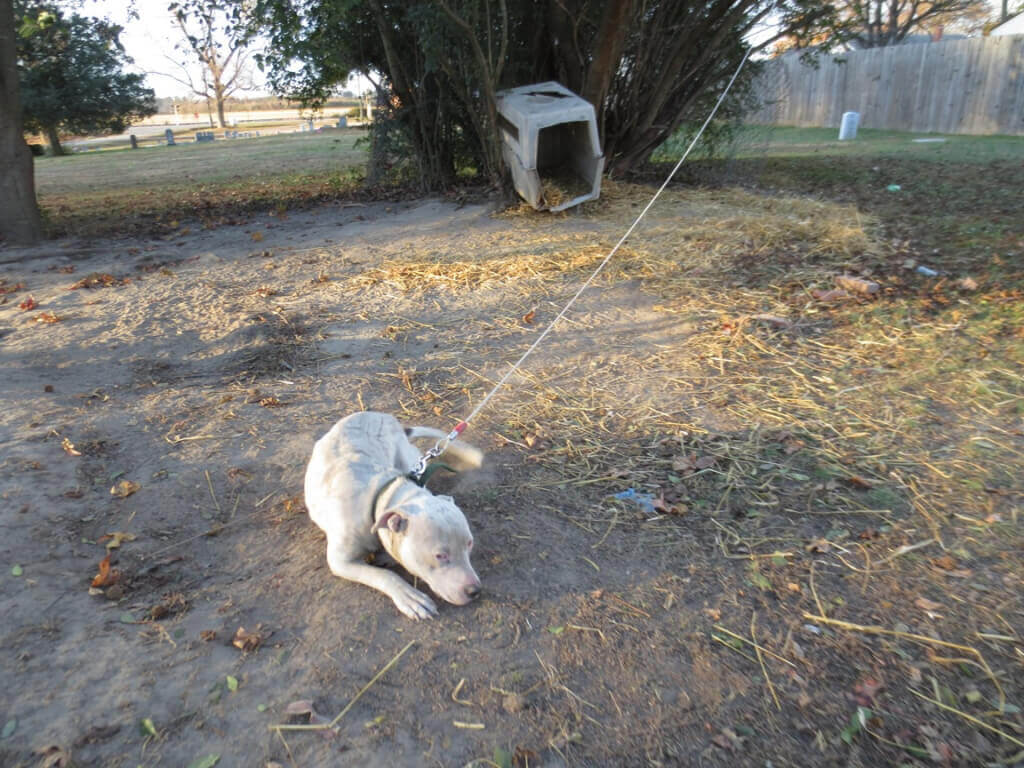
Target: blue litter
[926,271]
[644,500]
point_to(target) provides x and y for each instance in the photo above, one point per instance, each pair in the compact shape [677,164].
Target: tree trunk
[19,214]
[220,110]
[51,136]
[607,48]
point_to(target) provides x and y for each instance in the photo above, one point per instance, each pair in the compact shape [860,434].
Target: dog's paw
[414,603]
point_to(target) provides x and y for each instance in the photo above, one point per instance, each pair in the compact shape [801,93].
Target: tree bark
[51,136]
[607,48]
[19,213]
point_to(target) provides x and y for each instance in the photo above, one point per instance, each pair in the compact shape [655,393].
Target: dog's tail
[461,456]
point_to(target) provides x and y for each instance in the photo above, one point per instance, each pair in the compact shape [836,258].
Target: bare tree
[879,23]
[208,40]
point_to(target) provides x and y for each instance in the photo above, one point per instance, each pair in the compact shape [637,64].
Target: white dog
[358,491]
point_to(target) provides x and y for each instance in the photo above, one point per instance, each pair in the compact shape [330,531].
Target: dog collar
[380,492]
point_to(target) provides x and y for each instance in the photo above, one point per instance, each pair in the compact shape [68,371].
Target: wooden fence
[961,86]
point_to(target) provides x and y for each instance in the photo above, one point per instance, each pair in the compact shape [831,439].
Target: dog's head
[430,537]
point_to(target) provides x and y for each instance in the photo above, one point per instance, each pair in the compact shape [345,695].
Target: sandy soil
[187,379]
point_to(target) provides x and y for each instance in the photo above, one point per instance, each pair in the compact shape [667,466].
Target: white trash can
[550,143]
[848,127]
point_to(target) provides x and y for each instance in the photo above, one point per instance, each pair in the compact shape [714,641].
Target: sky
[150,39]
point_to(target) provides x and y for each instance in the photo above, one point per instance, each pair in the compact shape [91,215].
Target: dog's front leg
[407,599]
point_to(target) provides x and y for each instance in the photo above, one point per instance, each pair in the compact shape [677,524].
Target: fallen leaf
[857,284]
[147,728]
[114,539]
[858,482]
[713,613]
[207,761]
[27,304]
[106,575]
[208,635]
[836,294]
[5,288]
[946,562]
[46,317]
[271,402]
[927,605]
[124,489]
[96,280]
[779,322]
[819,545]
[266,291]
[792,586]
[704,462]
[54,757]
[727,739]
[232,683]
[866,690]
[528,317]
[69,447]
[792,445]
[967,284]
[256,236]
[16,570]
[684,463]
[246,641]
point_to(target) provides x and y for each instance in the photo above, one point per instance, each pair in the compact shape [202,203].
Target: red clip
[459,427]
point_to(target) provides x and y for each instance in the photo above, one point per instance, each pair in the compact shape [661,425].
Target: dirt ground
[163,414]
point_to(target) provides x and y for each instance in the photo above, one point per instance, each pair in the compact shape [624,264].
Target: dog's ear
[393,521]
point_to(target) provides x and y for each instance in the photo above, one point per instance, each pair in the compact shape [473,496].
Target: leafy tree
[70,72]
[19,214]
[646,65]
[206,28]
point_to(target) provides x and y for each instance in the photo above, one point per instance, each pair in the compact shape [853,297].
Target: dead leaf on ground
[836,294]
[778,322]
[69,447]
[528,317]
[96,280]
[945,562]
[27,304]
[208,635]
[54,757]
[5,288]
[271,402]
[727,739]
[124,489]
[858,482]
[927,605]
[256,236]
[967,284]
[247,641]
[820,546]
[106,575]
[704,462]
[114,539]
[266,291]
[304,708]
[866,690]
[857,284]
[46,317]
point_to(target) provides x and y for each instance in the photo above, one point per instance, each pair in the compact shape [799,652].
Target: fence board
[961,86]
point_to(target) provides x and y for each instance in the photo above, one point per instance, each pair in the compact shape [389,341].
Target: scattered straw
[760,660]
[969,718]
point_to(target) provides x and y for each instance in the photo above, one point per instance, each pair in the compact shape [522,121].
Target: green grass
[96,193]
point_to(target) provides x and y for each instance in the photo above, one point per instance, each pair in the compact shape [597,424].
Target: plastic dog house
[550,143]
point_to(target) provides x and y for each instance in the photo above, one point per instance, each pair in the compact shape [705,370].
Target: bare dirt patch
[822,531]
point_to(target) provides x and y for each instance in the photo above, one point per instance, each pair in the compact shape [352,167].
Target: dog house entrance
[565,163]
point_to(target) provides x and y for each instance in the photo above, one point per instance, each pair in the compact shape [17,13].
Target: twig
[364,689]
[287,749]
[455,694]
[971,718]
[905,549]
[720,628]
[814,592]
[760,659]
[588,629]
[209,484]
[730,646]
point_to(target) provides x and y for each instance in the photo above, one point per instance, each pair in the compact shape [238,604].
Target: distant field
[117,190]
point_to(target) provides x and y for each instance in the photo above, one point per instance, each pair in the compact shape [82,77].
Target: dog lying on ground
[359,493]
